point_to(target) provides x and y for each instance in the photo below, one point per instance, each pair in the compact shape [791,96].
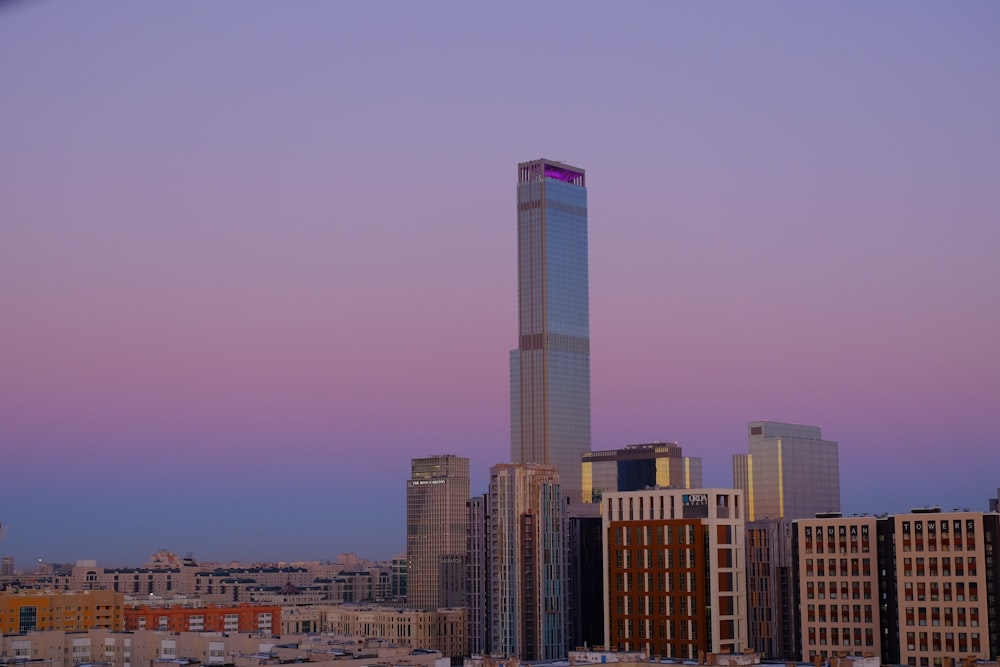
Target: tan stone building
[436,527]
[443,630]
[915,589]
[838,586]
[943,585]
[161,580]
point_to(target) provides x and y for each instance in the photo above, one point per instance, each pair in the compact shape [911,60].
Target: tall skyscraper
[790,472]
[527,557]
[550,369]
[436,526]
[638,467]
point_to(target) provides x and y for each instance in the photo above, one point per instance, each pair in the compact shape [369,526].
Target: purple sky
[255,256]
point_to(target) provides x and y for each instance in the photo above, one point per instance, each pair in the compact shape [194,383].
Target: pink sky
[255,257]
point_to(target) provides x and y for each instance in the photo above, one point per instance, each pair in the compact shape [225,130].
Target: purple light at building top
[562,174]
[545,169]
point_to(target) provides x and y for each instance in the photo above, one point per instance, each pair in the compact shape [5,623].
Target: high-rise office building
[527,557]
[436,527]
[550,369]
[638,467]
[790,472]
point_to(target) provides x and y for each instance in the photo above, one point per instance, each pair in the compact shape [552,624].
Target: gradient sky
[255,256]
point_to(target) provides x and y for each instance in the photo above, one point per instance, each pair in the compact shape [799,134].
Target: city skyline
[246,248]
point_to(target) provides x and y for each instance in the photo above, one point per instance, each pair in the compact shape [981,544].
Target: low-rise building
[441,630]
[151,648]
[28,610]
[263,619]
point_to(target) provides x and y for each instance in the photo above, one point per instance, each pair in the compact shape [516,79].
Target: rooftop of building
[636,452]
[550,169]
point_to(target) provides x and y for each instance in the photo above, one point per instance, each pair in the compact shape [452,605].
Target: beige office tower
[436,525]
[790,472]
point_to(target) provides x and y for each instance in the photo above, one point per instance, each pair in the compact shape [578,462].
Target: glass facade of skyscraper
[550,369]
[790,472]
